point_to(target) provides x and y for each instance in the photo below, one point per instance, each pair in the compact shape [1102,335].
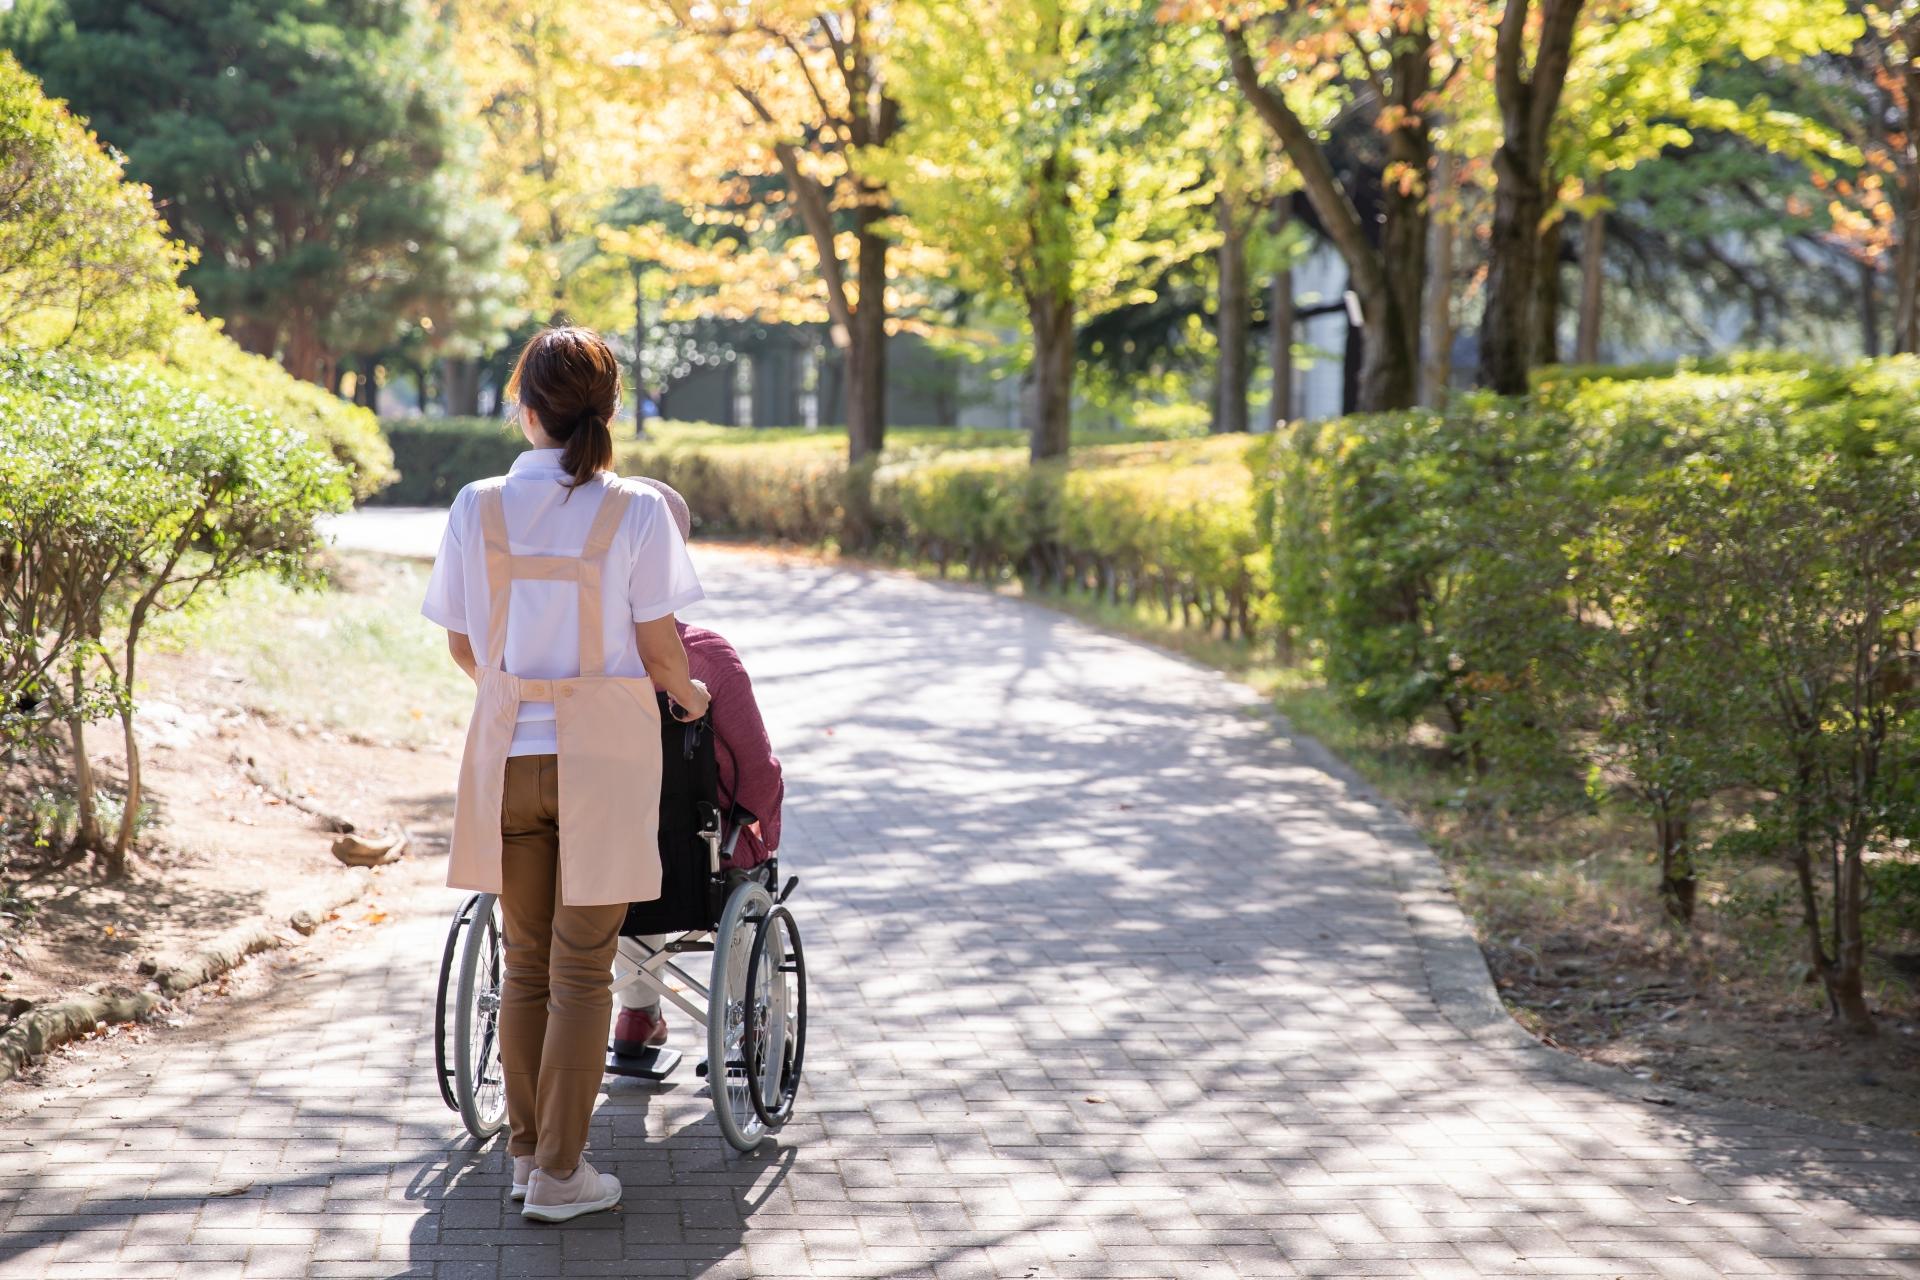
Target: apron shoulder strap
[606,521]
[493,527]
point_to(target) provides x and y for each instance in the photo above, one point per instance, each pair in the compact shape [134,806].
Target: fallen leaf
[240,1190]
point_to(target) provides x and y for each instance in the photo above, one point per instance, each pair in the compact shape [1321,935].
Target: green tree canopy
[84,260]
[296,145]
[1054,187]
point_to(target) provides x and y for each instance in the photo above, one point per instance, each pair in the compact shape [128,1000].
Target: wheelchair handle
[739,820]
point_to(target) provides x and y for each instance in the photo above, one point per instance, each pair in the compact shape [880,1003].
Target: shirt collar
[536,461]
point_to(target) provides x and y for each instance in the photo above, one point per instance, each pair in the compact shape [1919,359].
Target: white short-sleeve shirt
[544,517]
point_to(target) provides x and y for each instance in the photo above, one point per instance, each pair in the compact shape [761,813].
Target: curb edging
[1462,986]
[46,1027]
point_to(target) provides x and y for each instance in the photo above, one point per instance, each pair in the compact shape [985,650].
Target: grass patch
[354,658]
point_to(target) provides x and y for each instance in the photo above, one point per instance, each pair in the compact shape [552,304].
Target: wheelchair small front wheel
[479,1083]
[727,1061]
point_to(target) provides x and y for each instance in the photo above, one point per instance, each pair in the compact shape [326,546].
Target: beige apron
[608,729]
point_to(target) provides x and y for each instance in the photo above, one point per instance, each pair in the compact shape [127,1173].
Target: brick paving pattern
[1107,981]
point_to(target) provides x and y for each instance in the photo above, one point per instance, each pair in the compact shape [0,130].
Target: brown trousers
[555,1004]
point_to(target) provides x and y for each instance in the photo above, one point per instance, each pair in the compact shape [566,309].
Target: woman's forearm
[462,650]
[665,659]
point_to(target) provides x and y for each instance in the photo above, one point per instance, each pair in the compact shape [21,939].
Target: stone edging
[1462,986]
[46,1027]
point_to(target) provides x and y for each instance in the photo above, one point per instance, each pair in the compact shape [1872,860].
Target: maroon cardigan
[749,771]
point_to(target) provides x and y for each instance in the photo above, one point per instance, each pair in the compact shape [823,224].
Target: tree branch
[1330,200]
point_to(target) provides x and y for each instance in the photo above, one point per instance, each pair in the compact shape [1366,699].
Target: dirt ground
[233,831]
[1670,1019]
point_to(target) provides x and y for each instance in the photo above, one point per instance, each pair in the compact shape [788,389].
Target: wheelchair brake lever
[793,882]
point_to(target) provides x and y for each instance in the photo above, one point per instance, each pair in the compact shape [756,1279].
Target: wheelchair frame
[759,1037]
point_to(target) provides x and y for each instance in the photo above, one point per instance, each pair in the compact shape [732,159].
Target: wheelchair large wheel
[727,1066]
[443,1000]
[776,1017]
[479,1084]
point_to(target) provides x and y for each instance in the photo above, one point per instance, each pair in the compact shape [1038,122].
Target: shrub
[85,262]
[1675,587]
[199,357]
[434,458]
[123,494]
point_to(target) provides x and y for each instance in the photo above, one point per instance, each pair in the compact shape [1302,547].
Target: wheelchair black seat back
[692,890]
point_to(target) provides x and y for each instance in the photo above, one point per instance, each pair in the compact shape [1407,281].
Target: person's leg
[641,1026]
[529,867]
[638,995]
[579,1008]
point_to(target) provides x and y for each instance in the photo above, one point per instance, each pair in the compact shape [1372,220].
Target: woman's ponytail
[569,378]
[588,449]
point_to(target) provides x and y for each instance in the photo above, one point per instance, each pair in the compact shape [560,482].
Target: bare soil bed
[239,766]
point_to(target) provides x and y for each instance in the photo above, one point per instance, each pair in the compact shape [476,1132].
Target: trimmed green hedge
[434,458]
[1167,522]
[1653,591]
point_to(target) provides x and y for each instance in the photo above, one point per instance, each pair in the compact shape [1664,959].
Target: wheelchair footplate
[656,1063]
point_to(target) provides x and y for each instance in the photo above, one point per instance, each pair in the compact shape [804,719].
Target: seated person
[749,777]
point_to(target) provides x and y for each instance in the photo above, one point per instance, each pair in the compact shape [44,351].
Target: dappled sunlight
[1100,967]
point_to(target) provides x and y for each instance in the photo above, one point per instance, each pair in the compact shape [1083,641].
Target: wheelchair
[753,1004]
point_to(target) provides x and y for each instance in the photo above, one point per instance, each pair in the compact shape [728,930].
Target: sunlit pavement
[1108,980]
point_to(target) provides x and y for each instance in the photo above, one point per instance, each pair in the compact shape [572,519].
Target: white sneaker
[551,1199]
[522,1171]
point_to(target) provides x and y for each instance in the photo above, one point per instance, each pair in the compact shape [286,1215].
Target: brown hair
[568,377]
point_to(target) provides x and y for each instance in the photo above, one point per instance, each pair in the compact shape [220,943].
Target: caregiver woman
[557,584]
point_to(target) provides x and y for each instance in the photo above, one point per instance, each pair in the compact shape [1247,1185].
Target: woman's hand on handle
[688,711]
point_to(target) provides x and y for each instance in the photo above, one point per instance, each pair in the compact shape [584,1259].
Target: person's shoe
[522,1172]
[637,1030]
[551,1199]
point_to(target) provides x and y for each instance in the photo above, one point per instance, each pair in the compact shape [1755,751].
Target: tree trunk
[1906,271]
[254,336]
[366,388]
[1869,310]
[1353,358]
[1678,888]
[1846,983]
[1438,339]
[303,355]
[1593,257]
[1528,93]
[1050,410]
[1281,320]
[867,349]
[1547,295]
[1233,317]
[1513,255]
[420,386]
[460,381]
[1387,277]
[86,815]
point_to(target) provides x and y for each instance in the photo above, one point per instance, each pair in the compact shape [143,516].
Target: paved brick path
[1107,982]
